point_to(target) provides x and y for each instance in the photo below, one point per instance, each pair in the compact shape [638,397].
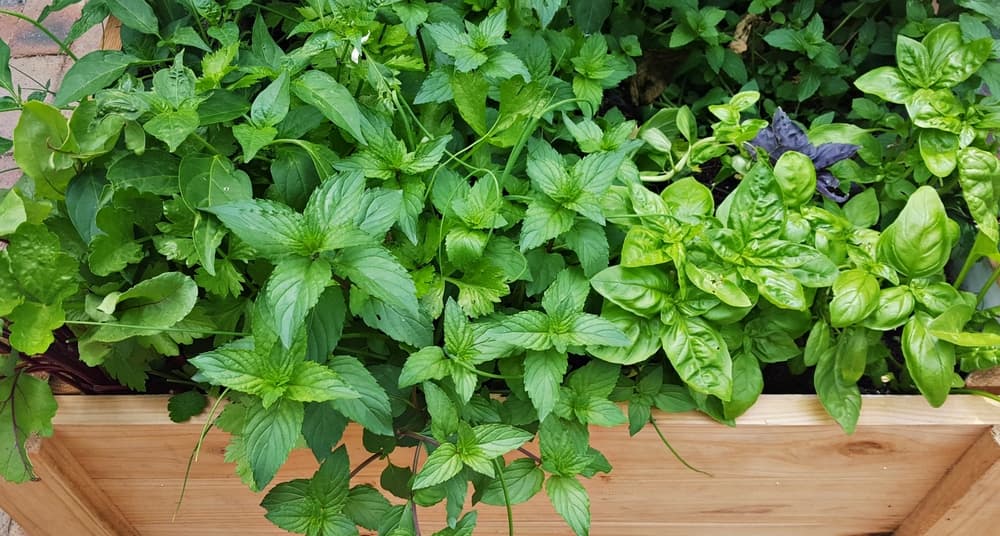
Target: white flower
[356,52]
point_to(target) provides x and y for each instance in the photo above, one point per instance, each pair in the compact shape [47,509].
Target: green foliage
[389,213]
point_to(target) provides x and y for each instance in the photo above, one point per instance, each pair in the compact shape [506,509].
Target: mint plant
[464,227]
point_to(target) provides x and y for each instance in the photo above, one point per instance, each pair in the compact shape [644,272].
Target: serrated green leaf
[440,466]
[366,506]
[183,406]
[570,499]
[172,127]
[543,374]
[499,439]
[374,269]
[292,291]
[273,230]
[269,435]
[428,363]
[372,409]
[522,478]
[315,506]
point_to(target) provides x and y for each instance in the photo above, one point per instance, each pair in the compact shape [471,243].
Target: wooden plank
[64,500]
[785,469]
[770,410]
[964,501]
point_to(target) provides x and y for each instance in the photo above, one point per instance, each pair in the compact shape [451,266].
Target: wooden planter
[116,463]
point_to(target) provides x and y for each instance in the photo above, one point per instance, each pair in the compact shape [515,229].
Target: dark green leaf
[95,71]
[269,436]
[185,405]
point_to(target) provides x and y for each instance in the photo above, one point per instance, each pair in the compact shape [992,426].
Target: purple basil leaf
[829,154]
[788,135]
[828,186]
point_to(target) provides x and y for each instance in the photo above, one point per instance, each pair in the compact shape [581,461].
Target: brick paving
[35,60]
[36,63]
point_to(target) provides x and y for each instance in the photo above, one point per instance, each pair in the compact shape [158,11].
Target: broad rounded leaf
[929,360]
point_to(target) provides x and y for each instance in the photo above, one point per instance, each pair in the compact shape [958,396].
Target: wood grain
[964,501]
[785,469]
[64,499]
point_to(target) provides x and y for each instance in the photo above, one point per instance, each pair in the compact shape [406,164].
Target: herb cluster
[391,212]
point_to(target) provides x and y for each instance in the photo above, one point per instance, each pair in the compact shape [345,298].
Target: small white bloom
[356,52]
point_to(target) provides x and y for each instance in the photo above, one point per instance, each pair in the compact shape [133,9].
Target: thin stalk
[977,392]
[674,452]
[209,423]
[537,459]
[987,285]
[133,326]
[364,464]
[506,498]
[62,46]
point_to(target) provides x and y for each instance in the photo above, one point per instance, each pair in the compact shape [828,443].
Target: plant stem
[209,423]
[133,326]
[506,498]
[674,452]
[977,392]
[987,285]
[364,464]
[536,458]
[62,46]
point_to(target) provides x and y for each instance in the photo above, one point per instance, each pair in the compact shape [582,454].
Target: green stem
[674,452]
[62,46]
[506,497]
[133,326]
[987,285]
[204,143]
[977,392]
[209,423]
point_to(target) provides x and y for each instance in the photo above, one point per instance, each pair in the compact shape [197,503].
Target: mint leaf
[325,324]
[183,406]
[322,428]
[271,229]
[544,220]
[312,382]
[499,439]
[413,328]
[523,480]
[210,181]
[480,287]
[527,329]
[292,290]
[440,466]
[337,202]
[315,506]
[269,435]
[372,409]
[366,506]
[570,499]
[172,127]
[442,411]
[543,374]
[242,366]
[373,269]
[332,99]
[428,363]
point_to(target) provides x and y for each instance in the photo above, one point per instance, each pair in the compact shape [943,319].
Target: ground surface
[35,60]
[35,64]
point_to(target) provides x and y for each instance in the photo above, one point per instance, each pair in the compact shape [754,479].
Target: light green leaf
[269,436]
[252,139]
[315,506]
[544,220]
[150,306]
[271,104]
[570,499]
[332,99]
[480,287]
[522,478]
[211,181]
[929,360]
[153,171]
[372,409]
[700,355]
[375,270]
[29,410]
[91,73]
[172,127]
[135,14]
[293,290]
[31,326]
[428,363]
[469,91]
[273,230]
[499,439]
[440,466]
[543,374]
[841,400]
[40,131]
[312,382]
